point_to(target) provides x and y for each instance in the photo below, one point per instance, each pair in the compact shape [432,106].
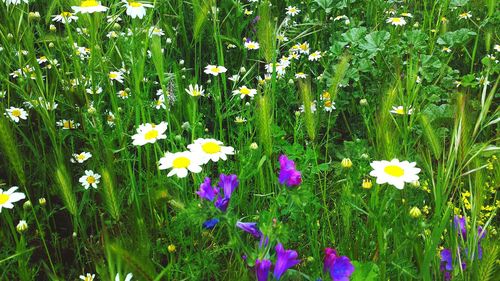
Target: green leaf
[375,41]
[365,271]
[454,38]
[354,35]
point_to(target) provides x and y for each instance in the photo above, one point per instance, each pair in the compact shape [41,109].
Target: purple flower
[446,265]
[250,227]
[207,191]
[340,267]
[209,224]
[461,226]
[288,173]
[221,203]
[228,183]
[285,260]
[262,268]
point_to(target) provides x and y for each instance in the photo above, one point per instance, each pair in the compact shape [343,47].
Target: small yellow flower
[415,212]
[367,184]
[171,248]
[346,163]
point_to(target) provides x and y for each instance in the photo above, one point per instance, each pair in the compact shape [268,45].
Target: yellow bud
[346,163]
[415,212]
[367,184]
[171,248]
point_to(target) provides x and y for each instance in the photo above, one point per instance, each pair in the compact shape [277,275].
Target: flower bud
[171,248]
[415,212]
[27,205]
[363,102]
[42,201]
[367,184]
[254,146]
[346,163]
[22,226]
[52,28]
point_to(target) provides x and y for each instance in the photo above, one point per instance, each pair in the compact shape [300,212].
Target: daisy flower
[446,49]
[136,9]
[329,105]
[90,179]
[87,277]
[292,11]
[315,56]
[156,31]
[394,172]
[160,102]
[239,120]
[89,7]
[81,157]
[396,21]
[497,47]
[122,94]
[116,75]
[16,113]
[149,133]
[252,45]
[215,70]
[210,149]
[300,75]
[401,110]
[65,17]
[313,107]
[15,2]
[244,91]
[407,15]
[127,278]
[195,91]
[465,15]
[8,197]
[67,124]
[180,163]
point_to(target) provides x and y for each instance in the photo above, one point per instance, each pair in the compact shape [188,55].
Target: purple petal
[262,269]
[250,227]
[342,269]
[228,183]
[285,260]
[206,190]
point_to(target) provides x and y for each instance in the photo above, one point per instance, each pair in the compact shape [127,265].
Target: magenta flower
[228,183]
[250,227]
[285,259]
[340,267]
[206,190]
[262,268]
[288,173]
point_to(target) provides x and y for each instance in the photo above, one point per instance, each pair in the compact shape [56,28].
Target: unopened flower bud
[415,212]
[346,163]
[22,226]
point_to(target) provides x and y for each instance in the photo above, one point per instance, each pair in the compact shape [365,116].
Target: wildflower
[252,45]
[160,102]
[446,263]
[171,248]
[211,223]
[292,11]
[254,146]
[244,91]
[16,113]
[400,110]
[67,124]
[89,7]
[415,212]
[240,120]
[465,15]
[222,203]
[127,278]
[90,179]
[248,12]
[446,49]
[22,226]
[210,149]
[81,157]
[88,276]
[315,56]
[288,173]
[497,47]
[122,94]
[116,75]
[250,227]
[195,91]
[285,260]
[367,184]
[65,17]
[136,9]
[346,163]
[460,226]
[228,183]
[407,15]
[180,163]
[155,31]
[149,133]
[42,201]
[300,75]
[340,267]
[215,70]
[396,21]
[207,191]
[394,172]
[8,197]
[262,268]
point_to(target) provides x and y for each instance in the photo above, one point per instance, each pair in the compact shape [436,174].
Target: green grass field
[249,140]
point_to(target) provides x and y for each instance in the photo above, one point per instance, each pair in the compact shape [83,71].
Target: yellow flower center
[4,198]
[66,14]
[400,111]
[244,90]
[16,112]
[210,147]
[215,69]
[89,3]
[80,156]
[113,75]
[135,4]
[328,103]
[151,135]
[396,20]
[304,47]
[394,170]
[181,162]
[90,179]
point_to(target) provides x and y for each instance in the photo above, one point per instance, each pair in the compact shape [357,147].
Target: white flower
[465,15]
[292,11]
[136,9]
[252,45]
[301,75]
[329,105]
[149,133]
[160,102]
[89,6]
[407,15]
[497,47]
[401,110]
[156,31]
[88,277]
[210,149]
[195,91]
[394,172]
[315,56]
[8,197]
[81,157]
[127,278]
[16,113]
[180,163]
[14,2]
[244,91]
[65,17]
[122,94]
[313,107]
[67,124]
[116,75]
[215,70]
[90,179]
[396,21]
